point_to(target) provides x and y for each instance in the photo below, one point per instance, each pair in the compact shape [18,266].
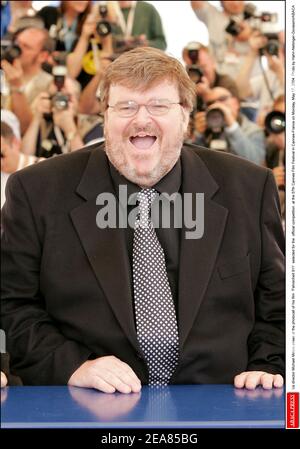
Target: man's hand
[203,88]
[200,122]
[197,4]
[279,174]
[107,374]
[41,105]
[89,27]
[257,41]
[3,380]
[13,72]
[251,379]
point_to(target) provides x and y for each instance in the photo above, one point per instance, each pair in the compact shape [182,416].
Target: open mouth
[143,141]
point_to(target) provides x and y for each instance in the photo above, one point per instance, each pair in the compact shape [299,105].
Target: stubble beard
[170,153]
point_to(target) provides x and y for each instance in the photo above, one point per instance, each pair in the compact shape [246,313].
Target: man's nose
[142,115]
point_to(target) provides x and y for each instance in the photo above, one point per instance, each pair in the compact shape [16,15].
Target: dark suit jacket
[67,291]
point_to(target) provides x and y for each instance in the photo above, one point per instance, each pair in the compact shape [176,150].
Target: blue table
[178,406]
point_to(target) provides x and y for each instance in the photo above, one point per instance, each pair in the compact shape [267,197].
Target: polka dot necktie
[156,322]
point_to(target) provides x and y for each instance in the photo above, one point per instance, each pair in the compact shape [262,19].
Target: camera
[268,27]
[275,122]
[234,28]
[193,70]
[214,134]
[59,101]
[103,27]
[265,23]
[9,51]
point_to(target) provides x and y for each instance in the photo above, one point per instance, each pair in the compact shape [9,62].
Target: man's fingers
[266,380]
[278,381]
[117,374]
[119,381]
[239,380]
[107,374]
[100,384]
[251,379]
[3,380]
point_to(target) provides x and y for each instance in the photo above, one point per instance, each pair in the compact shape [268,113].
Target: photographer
[275,153]
[226,128]
[73,25]
[54,129]
[23,72]
[138,23]
[229,32]
[200,62]
[12,158]
[201,68]
[269,84]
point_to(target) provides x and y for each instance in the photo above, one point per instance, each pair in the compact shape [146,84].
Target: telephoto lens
[275,122]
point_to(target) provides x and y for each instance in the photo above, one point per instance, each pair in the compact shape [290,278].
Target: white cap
[12,121]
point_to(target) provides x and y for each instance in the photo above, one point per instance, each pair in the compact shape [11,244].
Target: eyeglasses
[223,98]
[131,108]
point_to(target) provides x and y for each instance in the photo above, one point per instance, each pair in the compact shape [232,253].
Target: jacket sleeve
[39,353]
[266,342]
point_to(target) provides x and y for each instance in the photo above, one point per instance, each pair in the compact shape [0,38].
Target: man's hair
[7,132]
[143,68]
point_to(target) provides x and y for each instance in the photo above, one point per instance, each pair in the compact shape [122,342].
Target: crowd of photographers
[52,62]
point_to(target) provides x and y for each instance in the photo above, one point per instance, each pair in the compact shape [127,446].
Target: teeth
[142,135]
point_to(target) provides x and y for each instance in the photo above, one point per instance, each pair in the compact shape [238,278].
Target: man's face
[233,7]
[144,148]
[30,41]
[77,6]
[222,95]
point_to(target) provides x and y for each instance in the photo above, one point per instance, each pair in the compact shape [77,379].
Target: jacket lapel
[198,256]
[105,248]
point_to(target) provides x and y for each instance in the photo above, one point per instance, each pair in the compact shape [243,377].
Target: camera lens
[215,120]
[272,47]
[275,122]
[60,101]
[195,73]
[103,28]
[11,53]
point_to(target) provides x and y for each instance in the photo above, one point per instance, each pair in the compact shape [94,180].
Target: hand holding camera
[222,108]
[202,87]
[13,73]
[200,122]
[257,41]
[265,23]
[89,27]
[41,105]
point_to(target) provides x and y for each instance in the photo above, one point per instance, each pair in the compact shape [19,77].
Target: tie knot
[145,198]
